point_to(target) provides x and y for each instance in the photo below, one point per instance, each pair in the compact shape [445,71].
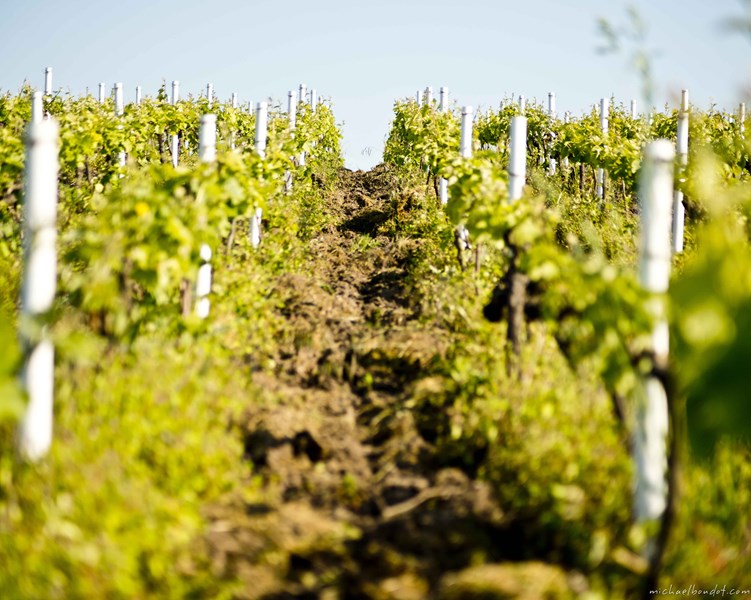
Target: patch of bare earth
[355,503]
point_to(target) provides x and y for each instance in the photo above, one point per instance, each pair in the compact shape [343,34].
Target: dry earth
[357,504]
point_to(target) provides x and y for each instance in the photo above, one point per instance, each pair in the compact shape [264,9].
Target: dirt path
[356,503]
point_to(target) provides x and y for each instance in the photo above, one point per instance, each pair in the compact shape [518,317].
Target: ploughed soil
[355,502]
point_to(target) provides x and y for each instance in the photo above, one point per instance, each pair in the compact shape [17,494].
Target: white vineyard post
[207,139]
[138,95]
[47,89]
[175,92]
[233,102]
[206,154]
[262,120]
[313,100]
[443,190]
[681,147]
[566,119]
[261,134]
[292,116]
[203,283]
[101,93]
[465,150]
[443,186]
[210,92]
[303,99]
[292,109]
[551,114]
[39,285]
[119,104]
[175,142]
[633,109]
[742,119]
[48,81]
[517,167]
[255,228]
[522,104]
[250,106]
[650,433]
[37,108]
[428,95]
[418,98]
[604,106]
[465,147]
[119,111]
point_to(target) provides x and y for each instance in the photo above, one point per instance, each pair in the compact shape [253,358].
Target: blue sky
[365,55]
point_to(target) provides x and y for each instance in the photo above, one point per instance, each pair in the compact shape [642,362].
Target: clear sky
[365,55]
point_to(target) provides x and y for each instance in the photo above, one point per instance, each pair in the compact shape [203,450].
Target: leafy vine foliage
[559,270]
[568,259]
[145,390]
[131,236]
[572,290]
[576,254]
